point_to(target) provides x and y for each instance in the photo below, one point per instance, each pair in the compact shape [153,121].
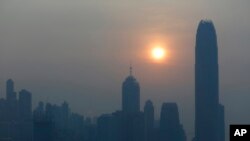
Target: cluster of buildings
[16,122]
[50,122]
[58,123]
[131,124]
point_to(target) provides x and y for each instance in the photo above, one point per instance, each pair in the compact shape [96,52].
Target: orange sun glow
[158,53]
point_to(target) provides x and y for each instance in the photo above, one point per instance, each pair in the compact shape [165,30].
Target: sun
[158,53]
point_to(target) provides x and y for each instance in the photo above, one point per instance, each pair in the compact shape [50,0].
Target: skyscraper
[10,94]
[170,127]
[11,101]
[25,106]
[107,128]
[149,120]
[206,83]
[130,94]
[16,115]
[25,116]
[132,118]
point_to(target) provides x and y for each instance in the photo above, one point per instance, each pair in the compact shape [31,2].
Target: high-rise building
[107,127]
[206,83]
[11,101]
[132,119]
[170,127]
[10,93]
[149,120]
[25,106]
[25,116]
[16,115]
[130,94]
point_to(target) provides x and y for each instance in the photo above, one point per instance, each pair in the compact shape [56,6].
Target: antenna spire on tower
[130,69]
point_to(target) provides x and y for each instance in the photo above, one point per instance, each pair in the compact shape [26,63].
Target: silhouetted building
[133,126]
[149,120]
[15,115]
[44,126]
[130,94]
[206,83]
[59,115]
[25,105]
[10,93]
[132,119]
[108,128]
[11,101]
[25,116]
[170,127]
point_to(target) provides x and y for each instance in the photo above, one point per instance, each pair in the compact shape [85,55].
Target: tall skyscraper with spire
[130,94]
[206,83]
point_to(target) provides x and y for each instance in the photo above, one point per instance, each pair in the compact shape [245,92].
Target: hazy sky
[79,51]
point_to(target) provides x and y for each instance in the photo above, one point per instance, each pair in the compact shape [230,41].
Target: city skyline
[18,122]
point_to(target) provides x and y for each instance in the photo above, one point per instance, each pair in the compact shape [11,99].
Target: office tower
[170,127]
[25,106]
[25,116]
[107,128]
[11,101]
[206,83]
[130,94]
[64,114]
[132,119]
[149,120]
[10,93]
